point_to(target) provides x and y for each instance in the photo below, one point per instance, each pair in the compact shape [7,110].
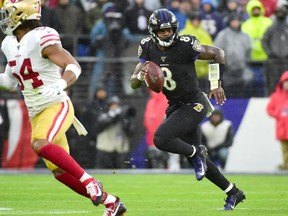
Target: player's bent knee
[58,171]
[159,142]
[38,144]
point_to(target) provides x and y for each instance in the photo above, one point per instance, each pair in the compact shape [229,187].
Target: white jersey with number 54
[27,67]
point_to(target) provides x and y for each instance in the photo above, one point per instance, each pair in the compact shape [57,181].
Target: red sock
[58,156]
[73,183]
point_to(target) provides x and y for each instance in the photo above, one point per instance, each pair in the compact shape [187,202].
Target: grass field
[144,194]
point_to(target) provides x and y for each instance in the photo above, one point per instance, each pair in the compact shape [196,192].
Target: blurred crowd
[106,29]
[253,34]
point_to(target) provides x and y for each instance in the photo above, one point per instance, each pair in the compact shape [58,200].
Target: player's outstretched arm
[213,53]
[138,76]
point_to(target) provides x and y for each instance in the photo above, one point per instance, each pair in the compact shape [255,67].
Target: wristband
[213,75]
[74,68]
[213,84]
[222,70]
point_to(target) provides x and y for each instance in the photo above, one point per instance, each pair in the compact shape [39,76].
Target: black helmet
[161,19]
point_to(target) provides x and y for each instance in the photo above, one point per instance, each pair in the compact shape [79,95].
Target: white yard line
[9,211]
[5,209]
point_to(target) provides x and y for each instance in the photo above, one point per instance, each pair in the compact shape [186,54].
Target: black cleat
[199,163]
[233,200]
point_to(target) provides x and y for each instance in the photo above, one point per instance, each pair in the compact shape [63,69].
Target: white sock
[229,188]
[109,199]
[84,177]
[194,151]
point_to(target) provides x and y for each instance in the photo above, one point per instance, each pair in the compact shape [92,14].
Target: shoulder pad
[145,40]
[47,36]
[195,43]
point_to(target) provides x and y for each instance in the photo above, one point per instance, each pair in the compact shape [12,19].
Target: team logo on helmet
[153,20]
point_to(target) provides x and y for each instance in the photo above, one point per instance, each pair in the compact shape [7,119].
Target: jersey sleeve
[196,45]
[7,43]
[192,45]
[47,37]
[143,50]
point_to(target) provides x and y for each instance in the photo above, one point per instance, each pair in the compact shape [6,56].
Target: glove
[141,75]
[55,89]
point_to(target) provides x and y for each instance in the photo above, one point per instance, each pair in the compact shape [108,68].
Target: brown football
[155,77]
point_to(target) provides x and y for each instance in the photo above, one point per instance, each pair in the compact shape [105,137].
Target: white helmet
[15,12]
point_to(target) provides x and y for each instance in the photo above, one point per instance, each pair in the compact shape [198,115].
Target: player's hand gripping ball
[155,77]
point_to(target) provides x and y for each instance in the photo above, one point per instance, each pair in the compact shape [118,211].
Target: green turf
[147,195]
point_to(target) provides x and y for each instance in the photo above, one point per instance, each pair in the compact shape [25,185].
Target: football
[155,77]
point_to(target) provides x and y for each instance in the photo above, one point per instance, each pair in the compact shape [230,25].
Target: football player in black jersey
[188,105]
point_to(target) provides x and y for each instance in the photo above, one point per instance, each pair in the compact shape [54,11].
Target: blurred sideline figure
[114,129]
[193,27]
[275,37]
[217,136]
[108,40]
[255,26]
[96,107]
[36,59]
[237,46]
[4,125]
[278,108]
[153,116]
[136,19]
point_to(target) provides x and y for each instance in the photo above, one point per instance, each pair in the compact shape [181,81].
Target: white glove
[54,89]
[141,76]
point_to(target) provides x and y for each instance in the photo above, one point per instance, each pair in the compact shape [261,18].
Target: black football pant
[181,129]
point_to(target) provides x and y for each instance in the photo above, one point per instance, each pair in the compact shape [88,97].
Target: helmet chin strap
[166,43]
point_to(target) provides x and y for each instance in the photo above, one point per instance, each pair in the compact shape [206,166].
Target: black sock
[234,190]
[215,176]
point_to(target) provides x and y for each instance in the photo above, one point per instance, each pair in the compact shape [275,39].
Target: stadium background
[254,150]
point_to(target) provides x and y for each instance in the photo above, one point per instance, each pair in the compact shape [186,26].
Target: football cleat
[233,200]
[95,190]
[115,209]
[199,163]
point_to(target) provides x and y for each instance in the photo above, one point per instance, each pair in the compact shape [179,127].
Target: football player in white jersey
[37,63]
